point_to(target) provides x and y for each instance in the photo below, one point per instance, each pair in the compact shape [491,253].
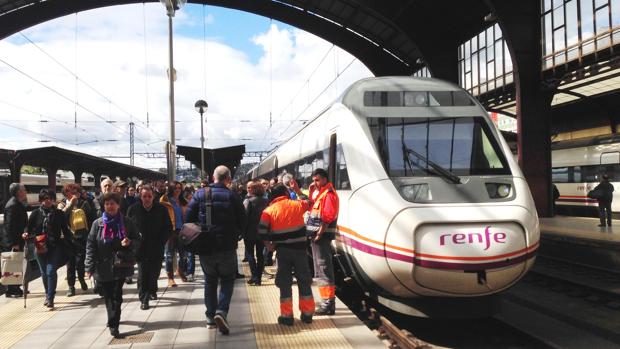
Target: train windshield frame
[464,146]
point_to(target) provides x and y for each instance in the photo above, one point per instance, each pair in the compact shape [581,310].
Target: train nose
[459,257]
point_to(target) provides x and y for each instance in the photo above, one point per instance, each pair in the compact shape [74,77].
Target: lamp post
[171,7]
[201,107]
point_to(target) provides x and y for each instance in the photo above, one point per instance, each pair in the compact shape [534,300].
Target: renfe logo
[473,238]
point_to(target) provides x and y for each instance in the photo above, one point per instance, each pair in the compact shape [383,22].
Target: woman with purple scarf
[110,255]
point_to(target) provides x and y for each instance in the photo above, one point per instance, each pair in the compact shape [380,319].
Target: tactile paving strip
[265,309]
[143,337]
[17,322]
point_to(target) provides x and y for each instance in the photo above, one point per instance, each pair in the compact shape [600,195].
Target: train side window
[577,174]
[559,175]
[590,173]
[342,174]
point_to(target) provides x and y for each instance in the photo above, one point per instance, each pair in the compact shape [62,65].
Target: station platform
[580,240]
[175,320]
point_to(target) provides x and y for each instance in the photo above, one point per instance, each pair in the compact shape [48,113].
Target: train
[577,167]
[35,182]
[436,217]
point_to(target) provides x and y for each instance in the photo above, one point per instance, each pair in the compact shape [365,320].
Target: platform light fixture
[171,7]
[201,107]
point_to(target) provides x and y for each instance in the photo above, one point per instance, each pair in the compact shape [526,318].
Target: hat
[120,183]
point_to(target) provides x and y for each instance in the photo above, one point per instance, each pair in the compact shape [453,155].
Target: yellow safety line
[265,309]
[17,322]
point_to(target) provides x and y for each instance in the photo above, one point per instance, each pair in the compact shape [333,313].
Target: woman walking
[53,241]
[176,205]
[110,255]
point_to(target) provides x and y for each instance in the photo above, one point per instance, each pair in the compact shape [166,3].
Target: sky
[108,67]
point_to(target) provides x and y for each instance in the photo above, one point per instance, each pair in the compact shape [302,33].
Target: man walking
[321,227]
[154,224]
[15,221]
[219,263]
[282,228]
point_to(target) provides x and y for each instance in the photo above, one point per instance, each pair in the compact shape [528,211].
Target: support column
[77,174]
[442,61]
[97,176]
[51,177]
[520,24]
[16,170]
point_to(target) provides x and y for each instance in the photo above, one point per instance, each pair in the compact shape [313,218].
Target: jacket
[165,201]
[324,211]
[606,189]
[60,234]
[254,206]
[15,221]
[154,227]
[283,222]
[227,212]
[100,256]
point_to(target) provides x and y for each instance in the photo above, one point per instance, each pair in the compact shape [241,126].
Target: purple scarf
[113,227]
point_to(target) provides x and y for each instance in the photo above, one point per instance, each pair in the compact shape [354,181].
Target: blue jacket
[228,215]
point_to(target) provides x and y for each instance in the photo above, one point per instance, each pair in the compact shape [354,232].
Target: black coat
[15,221]
[155,227]
[100,256]
[607,191]
[60,234]
[254,206]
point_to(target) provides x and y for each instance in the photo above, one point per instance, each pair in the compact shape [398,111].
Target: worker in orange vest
[282,228]
[321,228]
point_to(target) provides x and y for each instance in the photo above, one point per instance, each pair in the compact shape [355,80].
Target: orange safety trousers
[327,292]
[306,306]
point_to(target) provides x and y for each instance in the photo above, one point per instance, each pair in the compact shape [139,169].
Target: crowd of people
[104,237]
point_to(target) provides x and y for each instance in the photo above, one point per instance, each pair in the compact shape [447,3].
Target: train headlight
[498,190]
[415,192]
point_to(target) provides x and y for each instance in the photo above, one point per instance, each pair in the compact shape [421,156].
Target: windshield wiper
[440,170]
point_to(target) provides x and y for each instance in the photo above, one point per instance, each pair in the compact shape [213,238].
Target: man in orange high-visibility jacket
[321,227]
[282,228]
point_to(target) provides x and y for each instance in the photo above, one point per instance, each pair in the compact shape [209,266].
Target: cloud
[121,80]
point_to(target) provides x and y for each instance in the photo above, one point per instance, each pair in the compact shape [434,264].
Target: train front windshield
[463,146]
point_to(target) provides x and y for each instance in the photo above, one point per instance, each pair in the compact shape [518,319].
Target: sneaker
[222,324]
[328,307]
[306,319]
[83,285]
[71,291]
[190,278]
[286,320]
[210,322]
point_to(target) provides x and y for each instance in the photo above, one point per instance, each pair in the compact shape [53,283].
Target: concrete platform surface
[580,227]
[175,320]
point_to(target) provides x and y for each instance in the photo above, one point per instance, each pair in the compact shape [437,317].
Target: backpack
[78,220]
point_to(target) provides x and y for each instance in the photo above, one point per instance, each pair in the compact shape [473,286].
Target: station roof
[228,156]
[389,37]
[64,159]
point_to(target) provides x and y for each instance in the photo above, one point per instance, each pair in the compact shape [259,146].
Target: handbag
[40,244]
[595,193]
[12,268]
[124,259]
[195,237]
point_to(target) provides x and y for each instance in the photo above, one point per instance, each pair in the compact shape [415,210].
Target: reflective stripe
[306,305]
[286,307]
[327,292]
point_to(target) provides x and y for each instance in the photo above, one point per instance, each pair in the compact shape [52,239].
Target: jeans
[257,264]
[76,263]
[191,263]
[267,256]
[148,273]
[219,268]
[113,295]
[181,258]
[48,265]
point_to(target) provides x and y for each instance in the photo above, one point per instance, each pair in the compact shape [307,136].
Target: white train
[34,183]
[436,216]
[577,168]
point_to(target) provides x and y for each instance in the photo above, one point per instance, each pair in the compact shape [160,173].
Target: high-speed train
[577,167]
[435,214]
[34,183]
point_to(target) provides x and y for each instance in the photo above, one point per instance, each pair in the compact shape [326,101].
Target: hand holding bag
[12,268]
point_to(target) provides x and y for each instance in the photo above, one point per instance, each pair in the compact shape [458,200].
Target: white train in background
[577,168]
[435,215]
[34,183]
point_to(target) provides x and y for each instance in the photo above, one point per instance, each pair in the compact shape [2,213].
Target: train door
[331,167]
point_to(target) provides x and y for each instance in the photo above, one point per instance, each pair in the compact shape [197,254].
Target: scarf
[48,219]
[113,227]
